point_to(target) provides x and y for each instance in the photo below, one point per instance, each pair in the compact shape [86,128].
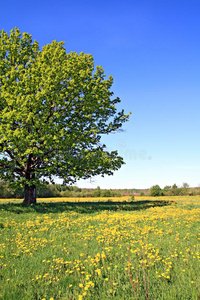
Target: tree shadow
[83,207]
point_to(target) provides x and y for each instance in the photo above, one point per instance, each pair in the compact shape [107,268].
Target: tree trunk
[29,194]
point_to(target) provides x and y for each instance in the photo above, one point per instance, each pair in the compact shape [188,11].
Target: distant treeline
[174,190]
[58,190]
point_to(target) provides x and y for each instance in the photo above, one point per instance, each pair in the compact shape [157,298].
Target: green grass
[146,249]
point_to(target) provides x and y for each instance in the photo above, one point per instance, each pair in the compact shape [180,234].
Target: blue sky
[152,49]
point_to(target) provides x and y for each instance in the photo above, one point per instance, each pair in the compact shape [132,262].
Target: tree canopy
[155,191]
[54,108]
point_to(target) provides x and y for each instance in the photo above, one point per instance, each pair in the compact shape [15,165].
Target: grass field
[95,249]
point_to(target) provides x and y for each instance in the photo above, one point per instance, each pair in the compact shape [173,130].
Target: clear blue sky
[152,49]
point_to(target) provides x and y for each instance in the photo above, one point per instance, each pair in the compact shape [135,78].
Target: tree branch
[4,154]
[12,157]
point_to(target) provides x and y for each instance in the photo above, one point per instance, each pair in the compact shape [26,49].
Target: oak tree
[54,108]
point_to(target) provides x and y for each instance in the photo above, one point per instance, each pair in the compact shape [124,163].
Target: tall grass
[146,249]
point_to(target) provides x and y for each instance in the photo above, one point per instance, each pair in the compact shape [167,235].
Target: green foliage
[185,185]
[175,191]
[182,191]
[45,190]
[155,191]
[97,192]
[106,193]
[174,186]
[54,108]
[166,188]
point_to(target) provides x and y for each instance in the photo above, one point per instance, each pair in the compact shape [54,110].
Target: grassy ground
[115,249]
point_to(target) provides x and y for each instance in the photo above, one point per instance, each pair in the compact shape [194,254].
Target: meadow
[68,249]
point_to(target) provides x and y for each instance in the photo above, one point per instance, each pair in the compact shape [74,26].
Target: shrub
[155,191]
[106,193]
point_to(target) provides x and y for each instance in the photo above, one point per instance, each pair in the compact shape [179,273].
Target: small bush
[155,191]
